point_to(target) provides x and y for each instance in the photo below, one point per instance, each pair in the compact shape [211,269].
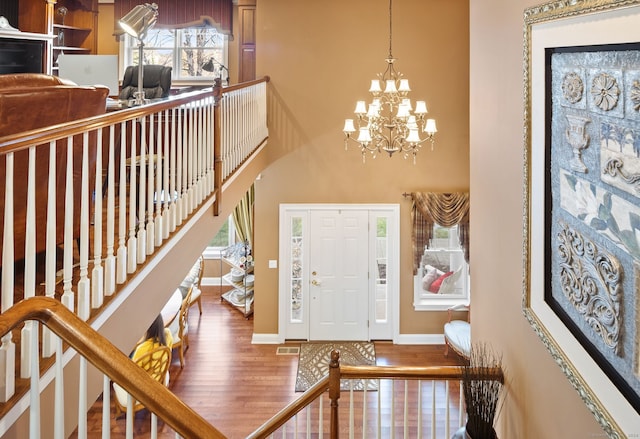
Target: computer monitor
[90,70]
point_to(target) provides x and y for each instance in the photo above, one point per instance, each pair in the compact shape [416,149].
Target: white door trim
[287,211]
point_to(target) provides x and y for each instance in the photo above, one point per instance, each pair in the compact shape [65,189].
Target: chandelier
[390,123]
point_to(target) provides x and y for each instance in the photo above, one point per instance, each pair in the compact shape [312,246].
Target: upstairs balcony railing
[138,174]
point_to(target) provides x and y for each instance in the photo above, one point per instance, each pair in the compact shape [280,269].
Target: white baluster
[364,407]
[447,411]
[121,256]
[351,410]
[320,416]
[379,409]
[142,193]
[166,209]
[188,161]
[200,144]
[419,408]
[58,405]
[393,409]
[97,274]
[67,258]
[132,251]
[30,228]
[110,260]
[160,195]
[173,217]
[179,168]
[106,407]
[461,408]
[433,408]
[406,409]
[34,386]
[84,284]
[28,332]
[49,340]
[8,348]
[82,399]
[154,426]
[151,233]
[129,418]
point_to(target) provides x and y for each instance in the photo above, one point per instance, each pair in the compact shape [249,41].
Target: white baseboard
[414,339]
[266,339]
[419,339]
[213,281]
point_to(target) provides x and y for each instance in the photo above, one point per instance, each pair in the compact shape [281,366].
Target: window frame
[215,252]
[129,45]
[423,301]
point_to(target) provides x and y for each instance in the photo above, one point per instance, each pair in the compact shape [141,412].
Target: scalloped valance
[183,13]
[446,209]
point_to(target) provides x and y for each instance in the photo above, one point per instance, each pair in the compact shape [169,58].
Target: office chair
[156,82]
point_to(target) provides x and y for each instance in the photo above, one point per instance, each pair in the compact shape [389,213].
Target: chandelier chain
[390,28]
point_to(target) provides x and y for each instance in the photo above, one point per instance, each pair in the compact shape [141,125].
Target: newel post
[334,391]
[217,145]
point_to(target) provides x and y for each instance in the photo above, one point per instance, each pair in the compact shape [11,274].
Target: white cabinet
[241,278]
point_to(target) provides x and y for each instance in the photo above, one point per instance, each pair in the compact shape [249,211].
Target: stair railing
[107,358]
[415,417]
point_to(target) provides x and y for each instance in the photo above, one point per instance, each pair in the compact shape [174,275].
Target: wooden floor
[236,385]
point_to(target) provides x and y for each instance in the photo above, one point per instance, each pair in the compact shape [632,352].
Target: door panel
[338,275]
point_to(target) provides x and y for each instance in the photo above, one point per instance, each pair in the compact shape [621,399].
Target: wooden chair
[196,291]
[180,328]
[156,362]
[457,333]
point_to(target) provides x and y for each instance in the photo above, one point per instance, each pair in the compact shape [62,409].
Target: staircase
[169,173]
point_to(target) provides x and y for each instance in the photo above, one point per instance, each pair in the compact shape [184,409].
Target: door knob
[315,283]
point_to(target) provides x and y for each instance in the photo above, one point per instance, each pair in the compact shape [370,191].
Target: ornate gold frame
[596,390]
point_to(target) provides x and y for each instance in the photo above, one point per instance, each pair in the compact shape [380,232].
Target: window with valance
[184,13]
[445,209]
[440,244]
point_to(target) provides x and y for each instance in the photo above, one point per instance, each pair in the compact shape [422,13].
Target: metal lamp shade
[140,19]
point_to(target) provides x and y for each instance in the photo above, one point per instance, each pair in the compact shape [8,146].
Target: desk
[171,308]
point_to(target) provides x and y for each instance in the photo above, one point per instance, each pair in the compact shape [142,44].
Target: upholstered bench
[457,334]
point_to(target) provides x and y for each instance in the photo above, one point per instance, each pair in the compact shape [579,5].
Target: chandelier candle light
[390,123]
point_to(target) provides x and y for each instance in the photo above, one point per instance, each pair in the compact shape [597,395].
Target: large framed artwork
[582,199]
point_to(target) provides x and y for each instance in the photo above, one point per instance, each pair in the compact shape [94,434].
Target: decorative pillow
[449,283]
[435,286]
[431,274]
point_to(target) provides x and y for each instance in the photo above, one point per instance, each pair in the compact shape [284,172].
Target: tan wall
[321,57]
[107,43]
[540,403]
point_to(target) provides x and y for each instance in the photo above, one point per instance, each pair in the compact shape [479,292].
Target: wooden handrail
[245,84]
[418,373]
[18,141]
[280,418]
[110,361]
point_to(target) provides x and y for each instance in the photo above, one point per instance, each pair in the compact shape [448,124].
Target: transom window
[185,50]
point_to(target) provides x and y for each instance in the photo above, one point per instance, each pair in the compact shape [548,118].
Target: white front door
[338,275]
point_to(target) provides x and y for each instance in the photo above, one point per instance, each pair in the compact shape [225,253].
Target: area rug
[313,362]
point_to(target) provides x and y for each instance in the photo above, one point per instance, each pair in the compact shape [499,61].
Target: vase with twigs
[482,384]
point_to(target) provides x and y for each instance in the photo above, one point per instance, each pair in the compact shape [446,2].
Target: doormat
[313,362]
